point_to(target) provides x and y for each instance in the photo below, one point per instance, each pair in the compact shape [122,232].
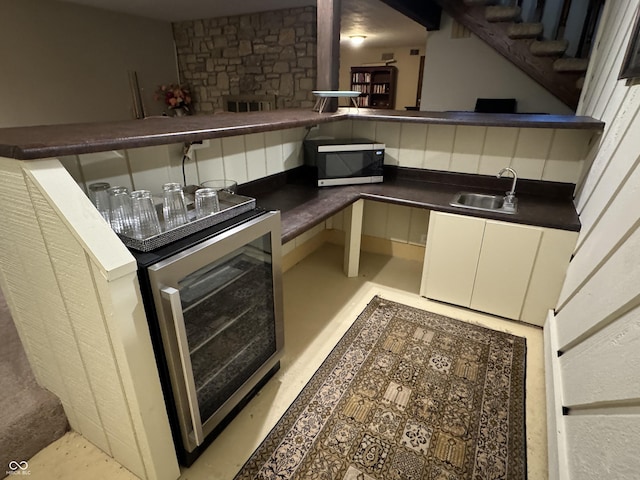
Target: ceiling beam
[426,13]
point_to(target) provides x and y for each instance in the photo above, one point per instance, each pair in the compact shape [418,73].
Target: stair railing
[573,20]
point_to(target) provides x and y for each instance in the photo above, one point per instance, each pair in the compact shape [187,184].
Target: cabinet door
[548,274]
[506,262]
[451,257]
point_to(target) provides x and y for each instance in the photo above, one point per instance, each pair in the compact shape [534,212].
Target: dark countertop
[27,143]
[302,206]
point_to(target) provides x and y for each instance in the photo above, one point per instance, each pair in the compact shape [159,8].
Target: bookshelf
[377,86]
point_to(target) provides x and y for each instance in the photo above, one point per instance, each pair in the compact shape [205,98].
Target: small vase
[179,112]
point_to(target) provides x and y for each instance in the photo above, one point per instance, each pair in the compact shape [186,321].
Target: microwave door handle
[173,296]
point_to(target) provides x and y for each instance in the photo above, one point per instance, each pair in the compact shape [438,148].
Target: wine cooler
[217,305]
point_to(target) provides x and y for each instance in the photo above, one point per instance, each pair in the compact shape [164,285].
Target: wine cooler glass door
[221,320]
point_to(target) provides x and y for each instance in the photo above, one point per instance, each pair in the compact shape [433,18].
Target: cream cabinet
[506,269]
[451,257]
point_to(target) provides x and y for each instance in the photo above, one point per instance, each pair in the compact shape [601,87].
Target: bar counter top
[28,143]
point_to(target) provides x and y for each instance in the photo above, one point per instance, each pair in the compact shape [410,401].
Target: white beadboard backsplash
[535,153]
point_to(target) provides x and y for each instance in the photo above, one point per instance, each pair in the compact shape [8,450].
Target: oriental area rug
[406,394]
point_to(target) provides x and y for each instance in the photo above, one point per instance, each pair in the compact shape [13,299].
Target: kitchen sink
[483,201]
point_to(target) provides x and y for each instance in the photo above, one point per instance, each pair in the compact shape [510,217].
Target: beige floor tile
[320,305]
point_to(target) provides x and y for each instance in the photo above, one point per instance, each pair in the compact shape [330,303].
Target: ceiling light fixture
[357,40]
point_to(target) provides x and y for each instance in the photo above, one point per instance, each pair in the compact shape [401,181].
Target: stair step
[571,64]
[499,13]
[524,30]
[549,48]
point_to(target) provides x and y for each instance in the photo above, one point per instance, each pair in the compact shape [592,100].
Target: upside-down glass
[120,210]
[229,186]
[99,195]
[174,207]
[145,217]
[206,202]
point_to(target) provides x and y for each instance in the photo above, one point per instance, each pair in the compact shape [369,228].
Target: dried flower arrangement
[176,96]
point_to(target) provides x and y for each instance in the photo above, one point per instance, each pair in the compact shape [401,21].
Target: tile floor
[315,319]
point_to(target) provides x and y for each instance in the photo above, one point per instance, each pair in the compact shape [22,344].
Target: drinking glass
[99,195]
[174,207]
[120,210]
[229,186]
[206,202]
[145,217]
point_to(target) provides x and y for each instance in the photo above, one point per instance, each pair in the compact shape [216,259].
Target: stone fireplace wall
[269,53]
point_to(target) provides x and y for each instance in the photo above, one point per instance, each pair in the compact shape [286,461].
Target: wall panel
[602,446]
[499,149]
[398,223]
[604,368]
[616,144]
[256,156]
[151,167]
[292,155]
[467,148]
[532,151]
[440,140]
[614,226]
[111,167]
[364,130]
[608,293]
[210,162]
[413,138]
[235,159]
[597,324]
[375,218]
[389,134]
[566,156]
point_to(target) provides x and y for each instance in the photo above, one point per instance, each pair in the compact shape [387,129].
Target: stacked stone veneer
[269,53]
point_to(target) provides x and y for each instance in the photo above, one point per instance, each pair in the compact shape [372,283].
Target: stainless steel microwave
[344,162]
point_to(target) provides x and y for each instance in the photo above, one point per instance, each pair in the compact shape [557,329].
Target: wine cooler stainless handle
[173,296]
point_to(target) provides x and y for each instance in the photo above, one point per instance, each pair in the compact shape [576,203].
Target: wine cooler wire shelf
[213,394]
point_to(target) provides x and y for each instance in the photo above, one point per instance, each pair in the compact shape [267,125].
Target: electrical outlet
[423,238]
[200,145]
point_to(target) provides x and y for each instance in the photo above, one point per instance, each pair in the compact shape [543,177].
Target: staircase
[524,43]
[32,417]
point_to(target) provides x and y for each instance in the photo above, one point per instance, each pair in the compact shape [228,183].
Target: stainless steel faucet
[510,197]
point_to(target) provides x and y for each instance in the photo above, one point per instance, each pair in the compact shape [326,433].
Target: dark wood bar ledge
[28,143]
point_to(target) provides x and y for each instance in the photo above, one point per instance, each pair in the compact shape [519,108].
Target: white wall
[597,324]
[458,71]
[65,63]
[408,69]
